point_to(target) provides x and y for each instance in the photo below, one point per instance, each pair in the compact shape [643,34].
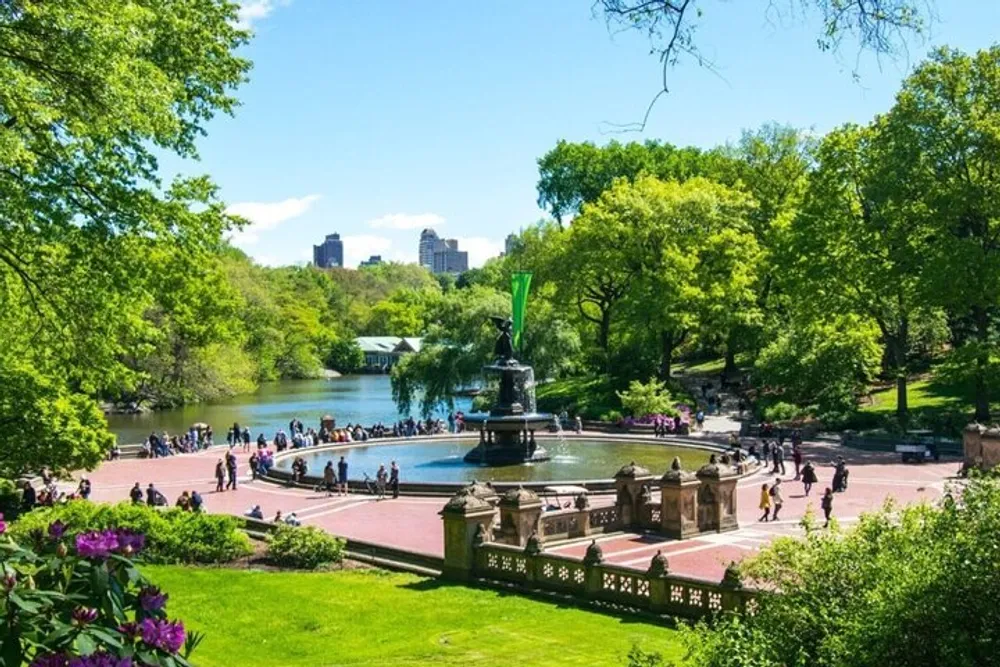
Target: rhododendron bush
[80,602]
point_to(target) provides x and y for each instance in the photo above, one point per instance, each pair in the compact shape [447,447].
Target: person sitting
[135,495]
[255,512]
[277,517]
[196,501]
[292,520]
[83,490]
[184,501]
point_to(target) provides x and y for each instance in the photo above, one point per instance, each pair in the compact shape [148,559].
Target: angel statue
[503,349]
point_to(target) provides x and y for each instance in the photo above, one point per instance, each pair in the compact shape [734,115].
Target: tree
[945,143]
[879,26]
[910,586]
[856,248]
[92,93]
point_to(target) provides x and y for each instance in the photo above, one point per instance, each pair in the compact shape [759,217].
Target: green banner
[520,282]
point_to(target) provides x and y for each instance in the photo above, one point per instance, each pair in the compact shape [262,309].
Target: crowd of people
[196,438]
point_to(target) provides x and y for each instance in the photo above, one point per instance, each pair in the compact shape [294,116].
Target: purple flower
[96,545]
[130,629]
[57,529]
[165,635]
[129,542]
[50,660]
[151,599]
[3,525]
[9,580]
[100,660]
[84,615]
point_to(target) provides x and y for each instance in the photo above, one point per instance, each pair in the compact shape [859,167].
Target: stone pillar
[592,561]
[679,502]
[629,481]
[483,492]
[582,505]
[659,590]
[532,549]
[972,445]
[717,497]
[520,511]
[733,597]
[467,521]
[326,421]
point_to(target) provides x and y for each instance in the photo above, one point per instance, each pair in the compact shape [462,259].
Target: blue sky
[375,119]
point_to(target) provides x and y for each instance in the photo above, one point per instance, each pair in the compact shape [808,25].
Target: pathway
[413,523]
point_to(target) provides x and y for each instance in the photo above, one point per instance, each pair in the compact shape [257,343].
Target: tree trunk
[730,367]
[605,330]
[899,344]
[982,362]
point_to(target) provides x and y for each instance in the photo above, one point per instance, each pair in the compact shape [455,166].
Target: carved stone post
[659,592]
[582,505]
[467,521]
[531,550]
[717,497]
[733,596]
[679,502]
[592,561]
[484,492]
[629,481]
[520,511]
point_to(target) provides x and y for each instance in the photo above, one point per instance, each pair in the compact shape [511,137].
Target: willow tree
[92,92]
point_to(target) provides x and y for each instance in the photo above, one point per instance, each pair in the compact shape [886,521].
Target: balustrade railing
[605,518]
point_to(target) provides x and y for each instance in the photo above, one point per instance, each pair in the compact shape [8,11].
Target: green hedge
[172,536]
[305,547]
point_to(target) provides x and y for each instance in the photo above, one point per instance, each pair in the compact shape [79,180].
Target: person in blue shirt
[342,475]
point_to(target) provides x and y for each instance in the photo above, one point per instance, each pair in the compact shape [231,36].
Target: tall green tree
[945,130]
[92,92]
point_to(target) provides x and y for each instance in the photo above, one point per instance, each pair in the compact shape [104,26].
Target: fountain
[507,432]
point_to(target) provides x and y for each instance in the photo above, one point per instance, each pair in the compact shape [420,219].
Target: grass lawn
[920,395]
[372,617]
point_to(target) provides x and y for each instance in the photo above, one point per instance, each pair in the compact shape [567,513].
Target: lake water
[358,398]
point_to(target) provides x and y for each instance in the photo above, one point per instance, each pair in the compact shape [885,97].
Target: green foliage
[587,396]
[647,398]
[910,586]
[345,356]
[828,364]
[62,602]
[305,547]
[172,536]
[780,412]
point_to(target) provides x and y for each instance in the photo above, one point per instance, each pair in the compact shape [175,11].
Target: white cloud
[359,247]
[267,215]
[480,249]
[406,221]
[255,10]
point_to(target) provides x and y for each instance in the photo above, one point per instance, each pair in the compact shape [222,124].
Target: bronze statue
[503,349]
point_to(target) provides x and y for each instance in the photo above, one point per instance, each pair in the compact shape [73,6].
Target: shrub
[611,416]
[10,499]
[172,536]
[650,398]
[305,547]
[81,601]
[780,412]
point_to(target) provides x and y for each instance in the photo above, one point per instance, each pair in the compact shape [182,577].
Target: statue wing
[497,321]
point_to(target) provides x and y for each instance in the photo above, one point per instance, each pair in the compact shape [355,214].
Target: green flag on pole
[519,284]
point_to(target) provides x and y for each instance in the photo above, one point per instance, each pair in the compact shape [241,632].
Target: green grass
[588,396]
[925,394]
[372,617]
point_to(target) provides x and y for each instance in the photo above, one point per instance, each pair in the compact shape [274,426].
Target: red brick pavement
[412,523]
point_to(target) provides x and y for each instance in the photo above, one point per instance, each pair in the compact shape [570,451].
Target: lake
[352,399]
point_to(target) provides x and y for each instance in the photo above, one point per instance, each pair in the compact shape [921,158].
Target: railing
[561,524]
[606,583]
[604,519]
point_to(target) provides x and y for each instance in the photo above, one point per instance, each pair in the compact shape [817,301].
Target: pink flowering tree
[84,604]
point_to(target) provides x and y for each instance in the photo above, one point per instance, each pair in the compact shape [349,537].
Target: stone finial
[480,490]
[463,502]
[631,471]
[676,463]
[594,555]
[732,578]
[713,459]
[677,474]
[520,497]
[480,537]
[582,502]
[658,566]
[533,546]
[725,460]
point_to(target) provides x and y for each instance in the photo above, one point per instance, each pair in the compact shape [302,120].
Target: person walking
[254,460]
[779,458]
[246,439]
[220,476]
[329,479]
[380,479]
[765,502]
[231,471]
[827,504]
[152,495]
[808,476]
[797,459]
[342,475]
[394,479]
[776,498]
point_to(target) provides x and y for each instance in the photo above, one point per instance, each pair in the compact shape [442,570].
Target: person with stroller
[840,475]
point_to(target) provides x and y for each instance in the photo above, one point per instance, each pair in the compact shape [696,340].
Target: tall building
[449,259]
[511,243]
[429,242]
[374,260]
[329,253]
